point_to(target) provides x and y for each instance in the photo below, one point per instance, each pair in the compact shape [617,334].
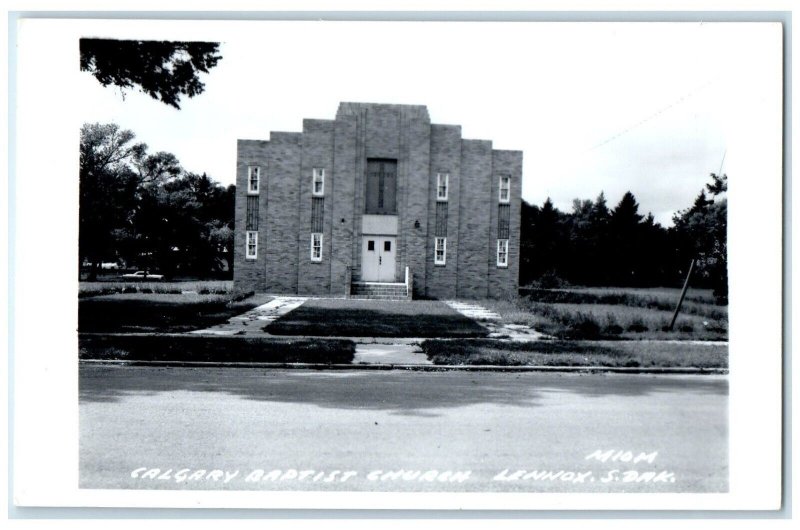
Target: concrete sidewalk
[252,323]
[403,351]
[494,323]
[390,354]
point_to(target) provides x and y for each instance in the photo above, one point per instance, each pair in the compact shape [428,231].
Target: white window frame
[507,188]
[318,173]
[251,172]
[502,244]
[436,247]
[439,178]
[251,234]
[316,237]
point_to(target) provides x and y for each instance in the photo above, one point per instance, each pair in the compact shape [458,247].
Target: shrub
[549,280]
[238,296]
[637,326]
[612,327]
[583,326]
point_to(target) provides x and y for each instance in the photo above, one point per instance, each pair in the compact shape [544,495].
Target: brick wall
[504,282]
[415,197]
[283,221]
[341,147]
[474,218]
[249,274]
[314,277]
[446,158]
[342,205]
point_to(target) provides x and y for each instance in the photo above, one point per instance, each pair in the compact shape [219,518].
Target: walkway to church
[252,322]
[369,350]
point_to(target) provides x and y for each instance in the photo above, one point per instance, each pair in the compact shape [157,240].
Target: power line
[651,116]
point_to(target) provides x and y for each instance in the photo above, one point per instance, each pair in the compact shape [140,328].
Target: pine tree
[625,238]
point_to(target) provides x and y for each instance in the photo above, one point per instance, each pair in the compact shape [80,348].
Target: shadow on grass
[343,322]
[98,315]
[403,393]
[198,348]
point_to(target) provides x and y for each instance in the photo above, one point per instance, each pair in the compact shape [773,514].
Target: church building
[378,202]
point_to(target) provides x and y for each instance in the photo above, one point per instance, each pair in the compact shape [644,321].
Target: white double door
[378,258]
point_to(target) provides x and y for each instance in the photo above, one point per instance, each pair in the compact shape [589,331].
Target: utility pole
[683,295]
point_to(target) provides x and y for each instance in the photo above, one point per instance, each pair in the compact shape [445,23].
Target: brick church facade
[378,198]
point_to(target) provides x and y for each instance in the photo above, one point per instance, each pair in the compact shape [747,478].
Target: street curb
[416,367]
[381,340]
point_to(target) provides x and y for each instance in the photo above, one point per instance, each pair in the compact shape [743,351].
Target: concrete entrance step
[377,297]
[378,291]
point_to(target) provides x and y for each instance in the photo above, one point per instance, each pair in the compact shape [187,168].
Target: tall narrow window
[441,186]
[440,228]
[253,179]
[502,252]
[251,245]
[251,219]
[318,181]
[503,221]
[317,213]
[440,251]
[316,246]
[505,188]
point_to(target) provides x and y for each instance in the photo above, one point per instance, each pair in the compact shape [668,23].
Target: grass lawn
[577,353]
[100,288]
[375,318]
[214,349]
[163,313]
[613,314]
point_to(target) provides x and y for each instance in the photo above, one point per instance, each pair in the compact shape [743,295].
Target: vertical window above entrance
[381,187]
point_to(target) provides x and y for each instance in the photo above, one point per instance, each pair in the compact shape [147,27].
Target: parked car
[109,265]
[143,275]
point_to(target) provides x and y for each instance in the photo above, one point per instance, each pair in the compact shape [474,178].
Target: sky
[612,107]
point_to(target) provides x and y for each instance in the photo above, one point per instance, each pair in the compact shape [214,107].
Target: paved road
[242,428]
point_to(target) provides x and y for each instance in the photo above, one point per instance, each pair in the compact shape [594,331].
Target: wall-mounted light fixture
[416,224]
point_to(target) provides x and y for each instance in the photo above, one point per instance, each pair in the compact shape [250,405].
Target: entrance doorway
[378,258]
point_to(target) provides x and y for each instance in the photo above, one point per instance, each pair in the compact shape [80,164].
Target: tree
[625,257]
[719,184]
[702,234]
[581,244]
[107,190]
[164,70]
[600,242]
[144,208]
[544,240]
[156,168]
